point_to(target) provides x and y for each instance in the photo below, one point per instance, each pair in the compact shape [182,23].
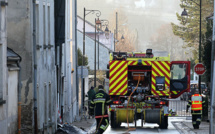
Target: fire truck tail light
[162,103]
[116,102]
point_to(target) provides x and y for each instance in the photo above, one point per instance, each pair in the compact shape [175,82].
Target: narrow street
[177,125]
[67,64]
[147,128]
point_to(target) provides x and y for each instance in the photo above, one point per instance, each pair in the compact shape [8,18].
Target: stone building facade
[20,39]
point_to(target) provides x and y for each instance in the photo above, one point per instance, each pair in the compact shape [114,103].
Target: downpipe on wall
[35,68]
[76,57]
[19,97]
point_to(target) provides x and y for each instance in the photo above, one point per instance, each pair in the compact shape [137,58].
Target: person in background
[196,101]
[90,94]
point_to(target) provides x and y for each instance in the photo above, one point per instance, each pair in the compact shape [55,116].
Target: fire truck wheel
[113,122]
[135,118]
[142,119]
[164,122]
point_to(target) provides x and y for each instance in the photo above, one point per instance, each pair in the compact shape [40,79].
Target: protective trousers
[196,120]
[103,126]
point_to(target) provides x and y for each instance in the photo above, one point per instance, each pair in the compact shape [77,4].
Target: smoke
[146,16]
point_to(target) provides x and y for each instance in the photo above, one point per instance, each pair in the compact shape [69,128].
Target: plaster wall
[20,39]
[3,71]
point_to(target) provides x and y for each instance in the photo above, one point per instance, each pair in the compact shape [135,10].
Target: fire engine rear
[140,85]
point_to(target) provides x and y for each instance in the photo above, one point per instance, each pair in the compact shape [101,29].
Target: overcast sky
[144,16]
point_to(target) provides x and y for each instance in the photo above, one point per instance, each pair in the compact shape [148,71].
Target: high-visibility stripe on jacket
[196,102]
[99,103]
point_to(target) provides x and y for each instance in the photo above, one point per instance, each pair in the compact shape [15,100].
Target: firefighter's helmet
[197,91]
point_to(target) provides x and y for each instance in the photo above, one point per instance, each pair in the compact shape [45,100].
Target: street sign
[199,69]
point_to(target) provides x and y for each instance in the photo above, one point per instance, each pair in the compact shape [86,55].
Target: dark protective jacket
[100,102]
[91,93]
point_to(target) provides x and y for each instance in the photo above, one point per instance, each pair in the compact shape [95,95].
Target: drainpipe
[76,57]
[19,98]
[35,68]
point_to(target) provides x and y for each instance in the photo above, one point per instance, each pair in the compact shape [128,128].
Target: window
[44,26]
[1,72]
[178,71]
[49,20]
[37,24]
[50,103]
[45,103]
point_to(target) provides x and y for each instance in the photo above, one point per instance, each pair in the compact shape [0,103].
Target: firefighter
[99,103]
[196,101]
[90,94]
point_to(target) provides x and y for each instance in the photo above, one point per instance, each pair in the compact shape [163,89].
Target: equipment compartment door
[118,81]
[180,77]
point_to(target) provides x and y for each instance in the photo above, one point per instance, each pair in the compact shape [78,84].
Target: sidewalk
[85,125]
[203,128]
[186,127]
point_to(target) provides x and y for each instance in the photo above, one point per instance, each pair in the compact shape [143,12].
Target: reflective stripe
[105,127]
[99,95]
[196,98]
[196,102]
[194,122]
[99,99]
[102,127]
[91,107]
[108,101]
[196,109]
[106,123]
[198,119]
[92,102]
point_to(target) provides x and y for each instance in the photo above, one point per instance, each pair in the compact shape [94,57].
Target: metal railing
[179,106]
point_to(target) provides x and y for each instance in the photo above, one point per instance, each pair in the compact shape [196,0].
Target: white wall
[90,51]
[46,65]
[12,101]
[69,61]
[88,27]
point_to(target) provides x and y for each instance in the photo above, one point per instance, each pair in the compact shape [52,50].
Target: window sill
[2,102]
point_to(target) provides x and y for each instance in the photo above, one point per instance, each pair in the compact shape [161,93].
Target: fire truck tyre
[164,122]
[141,119]
[135,118]
[113,122]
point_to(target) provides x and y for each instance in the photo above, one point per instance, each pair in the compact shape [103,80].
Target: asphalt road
[147,128]
[176,105]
